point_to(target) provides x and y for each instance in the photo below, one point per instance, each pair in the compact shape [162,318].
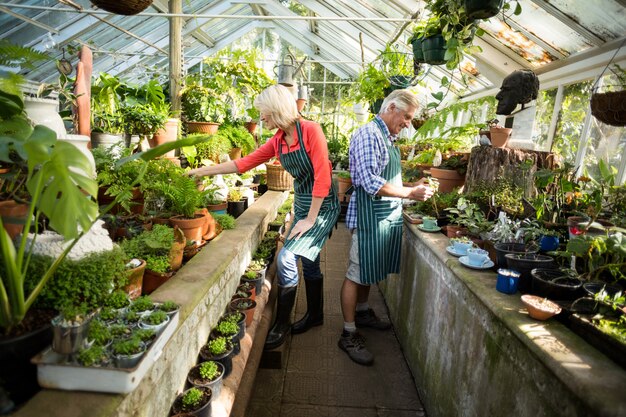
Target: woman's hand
[195,172]
[301,228]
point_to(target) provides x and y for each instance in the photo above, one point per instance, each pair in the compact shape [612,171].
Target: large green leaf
[68,194]
[10,105]
[163,149]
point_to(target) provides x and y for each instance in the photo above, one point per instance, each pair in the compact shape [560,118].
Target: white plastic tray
[53,372]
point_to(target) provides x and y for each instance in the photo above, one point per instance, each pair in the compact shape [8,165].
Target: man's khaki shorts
[354,273]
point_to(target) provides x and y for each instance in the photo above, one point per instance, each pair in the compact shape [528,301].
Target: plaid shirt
[368,158]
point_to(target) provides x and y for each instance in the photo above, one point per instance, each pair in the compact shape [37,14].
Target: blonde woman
[300,145]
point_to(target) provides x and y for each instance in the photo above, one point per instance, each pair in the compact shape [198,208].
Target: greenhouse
[312,208]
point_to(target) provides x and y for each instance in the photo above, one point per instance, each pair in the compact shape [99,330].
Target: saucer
[453,252]
[465,262]
[423,229]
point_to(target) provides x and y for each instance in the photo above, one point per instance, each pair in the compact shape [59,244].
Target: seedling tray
[55,371]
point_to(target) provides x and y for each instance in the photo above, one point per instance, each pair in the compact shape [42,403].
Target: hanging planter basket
[128,7]
[609,107]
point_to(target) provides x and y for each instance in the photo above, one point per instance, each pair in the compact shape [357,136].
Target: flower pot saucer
[465,262]
[433,230]
[453,252]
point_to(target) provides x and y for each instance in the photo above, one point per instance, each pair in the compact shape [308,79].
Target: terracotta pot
[202,127]
[300,103]
[176,251]
[192,228]
[448,179]
[13,216]
[234,153]
[251,126]
[343,184]
[135,280]
[218,208]
[153,280]
[500,136]
[234,306]
[169,133]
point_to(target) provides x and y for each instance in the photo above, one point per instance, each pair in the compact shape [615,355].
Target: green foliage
[369,85]
[211,149]
[119,180]
[120,331]
[233,317]
[155,318]
[85,282]
[439,121]
[127,347]
[145,335]
[177,195]
[227,328]
[226,221]
[209,370]
[143,303]
[601,256]
[251,275]
[155,242]
[159,264]
[218,346]
[238,136]
[17,55]
[456,163]
[99,333]
[469,215]
[106,103]
[502,194]
[191,399]
[132,317]
[92,356]
[202,104]
[168,306]
[117,299]
[109,314]
[256,266]
[338,144]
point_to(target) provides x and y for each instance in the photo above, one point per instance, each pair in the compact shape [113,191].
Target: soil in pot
[555,285]
[202,409]
[503,248]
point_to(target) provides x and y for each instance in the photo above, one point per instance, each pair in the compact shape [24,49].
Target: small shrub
[168,306]
[191,399]
[218,346]
[155,318]
[128,347]
[92,356]
[117,299]
[226,221]
[145,335]
[99,333]
[143,303]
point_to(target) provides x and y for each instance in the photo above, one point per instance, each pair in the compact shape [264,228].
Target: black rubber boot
[282,325]
[314,315]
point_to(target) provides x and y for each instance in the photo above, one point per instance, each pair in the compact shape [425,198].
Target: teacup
[477,257]
[429,223]
[461,247]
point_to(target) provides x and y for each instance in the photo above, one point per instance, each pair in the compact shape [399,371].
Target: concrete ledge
[203,288]
[475,352]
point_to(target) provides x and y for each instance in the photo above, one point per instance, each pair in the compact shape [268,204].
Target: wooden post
[176,54]
[488,165]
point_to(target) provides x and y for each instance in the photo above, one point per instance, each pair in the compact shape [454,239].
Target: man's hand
[422,191]
[301,228]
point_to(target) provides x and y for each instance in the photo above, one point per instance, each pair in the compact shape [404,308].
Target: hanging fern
[440,121]
[13,55]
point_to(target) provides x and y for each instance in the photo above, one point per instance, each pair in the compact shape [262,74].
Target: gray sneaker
[354,345]
[369,319]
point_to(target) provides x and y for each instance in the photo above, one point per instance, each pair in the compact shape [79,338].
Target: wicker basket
[128,7]
[609,107]
[278,179]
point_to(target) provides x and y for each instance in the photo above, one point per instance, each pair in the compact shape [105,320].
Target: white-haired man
[375,217]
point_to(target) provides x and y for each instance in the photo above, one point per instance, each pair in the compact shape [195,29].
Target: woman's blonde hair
[279,103]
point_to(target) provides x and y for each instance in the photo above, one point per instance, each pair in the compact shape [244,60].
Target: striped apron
[379,224]
[298,164]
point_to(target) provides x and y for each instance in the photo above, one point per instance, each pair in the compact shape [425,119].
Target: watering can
[285,71]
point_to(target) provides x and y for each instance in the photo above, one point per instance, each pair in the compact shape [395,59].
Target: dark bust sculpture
[519,87]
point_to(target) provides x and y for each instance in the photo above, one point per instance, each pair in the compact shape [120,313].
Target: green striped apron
[298,164]
[379,224]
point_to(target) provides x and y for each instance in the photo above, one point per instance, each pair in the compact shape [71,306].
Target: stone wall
[475,352]
[203,288]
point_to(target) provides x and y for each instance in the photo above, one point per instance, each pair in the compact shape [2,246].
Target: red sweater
[315,146]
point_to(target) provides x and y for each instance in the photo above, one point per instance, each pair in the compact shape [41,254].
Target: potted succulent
[196,401]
